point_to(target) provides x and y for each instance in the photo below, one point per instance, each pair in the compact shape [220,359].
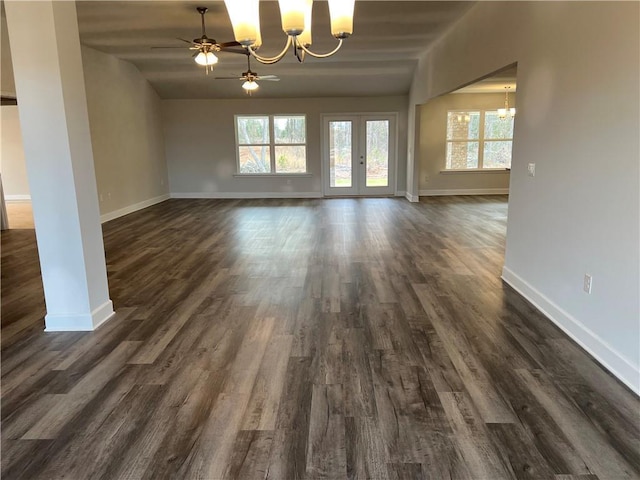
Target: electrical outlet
[531,170]
[109,195]
[162,182]
[587,283]
[101,198]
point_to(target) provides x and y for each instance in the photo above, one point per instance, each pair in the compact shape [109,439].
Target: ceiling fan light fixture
[341,17]
[245,20]
[206,59]
[250,85]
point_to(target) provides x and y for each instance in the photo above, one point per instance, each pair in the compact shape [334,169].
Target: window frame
[272,145]
[481,140]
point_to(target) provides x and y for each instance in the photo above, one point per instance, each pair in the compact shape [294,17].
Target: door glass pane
[340,169]
[377,153]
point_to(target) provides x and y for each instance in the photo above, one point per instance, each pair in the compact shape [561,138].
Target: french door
[359,154]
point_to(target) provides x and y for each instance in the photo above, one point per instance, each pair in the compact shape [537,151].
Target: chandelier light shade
[296,18]
[292,14]
[341,17]
[505,112]
[305,37]
[245,19]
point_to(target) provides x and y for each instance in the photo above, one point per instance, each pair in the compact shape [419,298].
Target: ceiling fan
[205,47]
[250,77]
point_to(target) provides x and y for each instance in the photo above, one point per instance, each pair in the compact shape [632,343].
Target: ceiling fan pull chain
[271,60]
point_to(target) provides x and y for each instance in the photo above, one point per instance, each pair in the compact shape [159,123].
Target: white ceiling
[494,83]
[379,59]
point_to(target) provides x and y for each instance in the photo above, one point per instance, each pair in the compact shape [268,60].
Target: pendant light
[506,111]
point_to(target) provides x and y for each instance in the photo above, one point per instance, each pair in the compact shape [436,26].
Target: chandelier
[296,24]
[506,111]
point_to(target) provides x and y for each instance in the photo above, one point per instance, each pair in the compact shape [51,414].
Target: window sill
[272,175]
[476,170]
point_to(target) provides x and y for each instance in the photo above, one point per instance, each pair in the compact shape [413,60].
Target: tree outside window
[271,144]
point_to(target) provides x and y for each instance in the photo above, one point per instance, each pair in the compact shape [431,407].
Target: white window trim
[480,140]
[272,146]
[452,171]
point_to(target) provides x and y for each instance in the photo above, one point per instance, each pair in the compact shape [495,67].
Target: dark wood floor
[347,338]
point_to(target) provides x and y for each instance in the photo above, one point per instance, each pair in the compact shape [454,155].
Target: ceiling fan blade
[229,44]
[156,48]
[272,78]
[183,40]
[229,78]
[233,50]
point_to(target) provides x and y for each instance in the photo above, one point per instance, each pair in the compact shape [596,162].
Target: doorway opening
[465,138]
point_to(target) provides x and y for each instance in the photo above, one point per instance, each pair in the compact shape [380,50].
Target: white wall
[578,120]
[432,154]
[12,163]
[126,131]
[7,83]
[201,152]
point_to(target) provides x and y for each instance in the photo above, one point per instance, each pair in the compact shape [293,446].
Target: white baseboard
[247,195]
[132,208]
[604,353]
[17,198]
[464,191]
[412,198]
[401,193]
[79,323]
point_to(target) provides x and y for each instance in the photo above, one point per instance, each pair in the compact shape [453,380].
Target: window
[271,144]
[478,140]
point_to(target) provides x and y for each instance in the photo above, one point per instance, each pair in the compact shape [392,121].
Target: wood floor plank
[87,388]
[288,457]
[305,339]
[474,376]
[525,462]
[366,455]
[481,457]
[262,411]
[326,457]
[250,459]
[601,458]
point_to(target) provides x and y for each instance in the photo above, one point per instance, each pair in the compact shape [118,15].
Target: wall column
[47,63]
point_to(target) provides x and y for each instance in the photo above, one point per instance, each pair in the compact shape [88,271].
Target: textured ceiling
[379,59]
